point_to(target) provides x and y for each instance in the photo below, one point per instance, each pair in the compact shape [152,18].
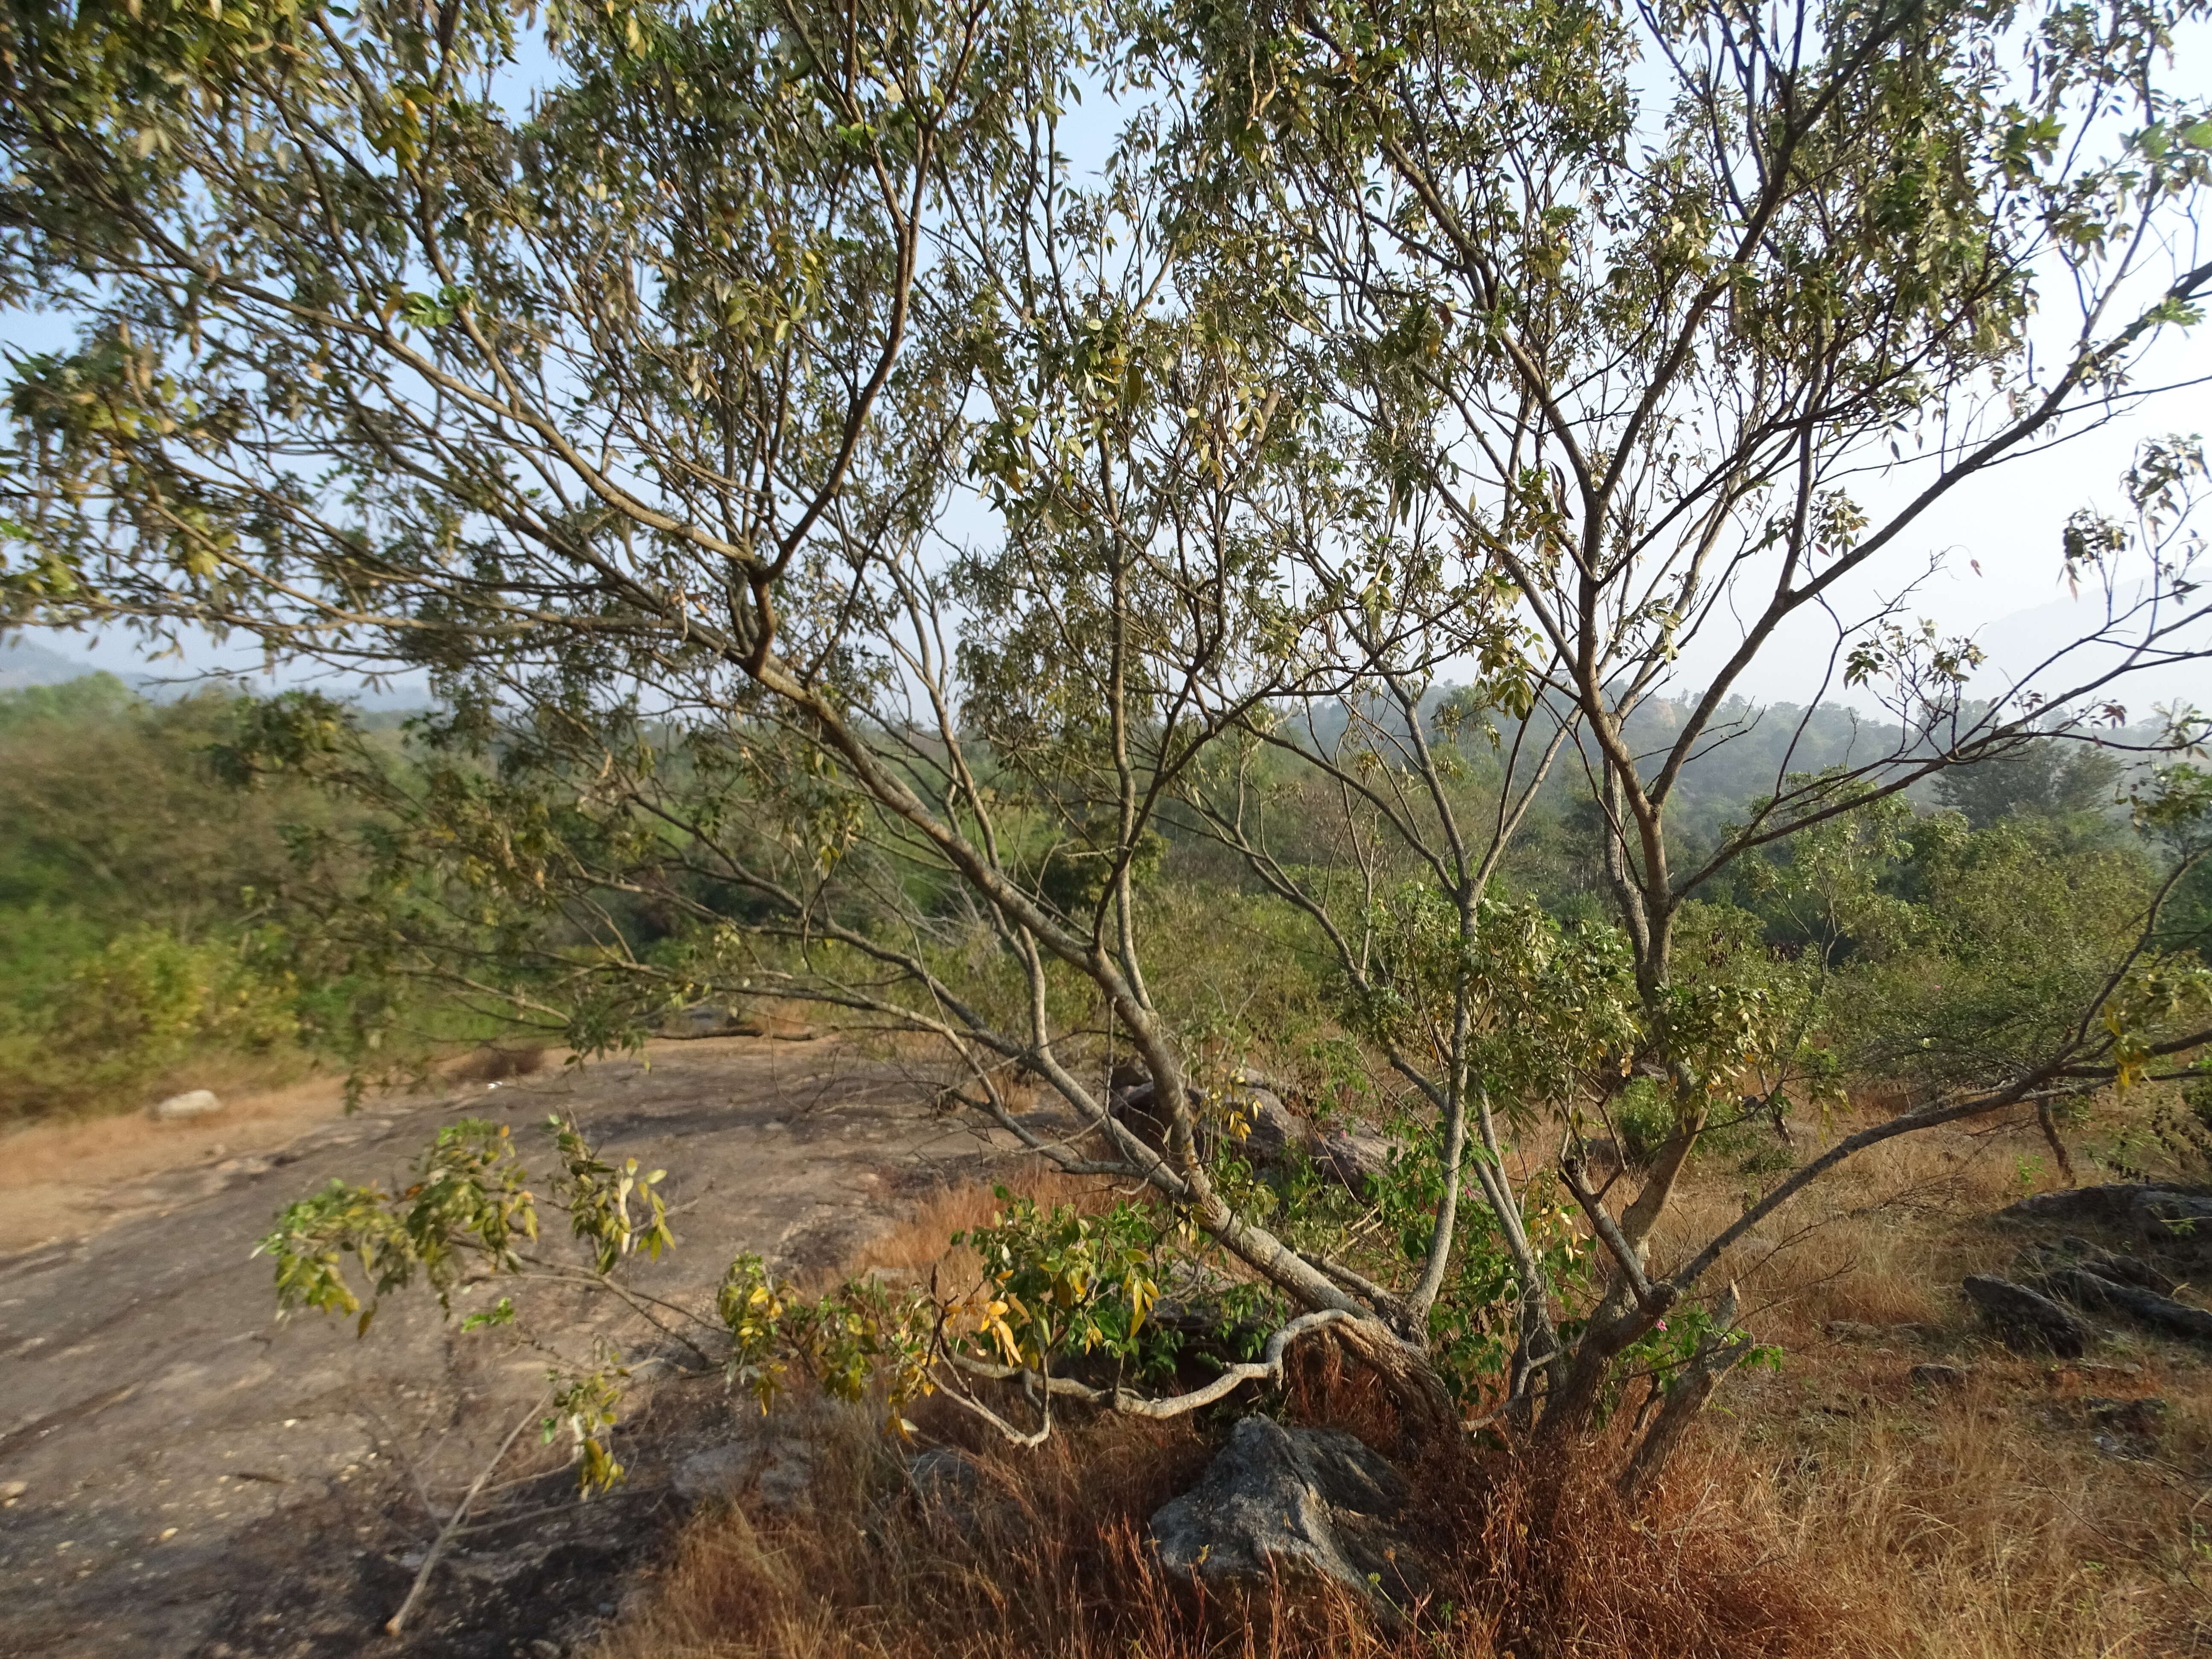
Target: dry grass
[494,1062]
[1953,1523]
[1835,1507]
[57,1177]
[1049,1558]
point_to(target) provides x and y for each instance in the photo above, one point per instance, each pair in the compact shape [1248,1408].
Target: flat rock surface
[190,1477]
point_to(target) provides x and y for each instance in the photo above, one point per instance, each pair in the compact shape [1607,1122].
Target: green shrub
[1643,1118]
[138,1009]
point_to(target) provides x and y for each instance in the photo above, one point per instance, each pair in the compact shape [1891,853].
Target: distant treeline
[148,939]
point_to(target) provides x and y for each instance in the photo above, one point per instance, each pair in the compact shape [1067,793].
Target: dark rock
[2162,1215]
[1132,1108]
[1934,1376]
[2028,1320]
[2120,1269]
[2163,1314]
[2157,1214]
[2144,1417]
[1289,1504]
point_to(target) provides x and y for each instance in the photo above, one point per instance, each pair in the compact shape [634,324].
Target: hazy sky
[2006,523]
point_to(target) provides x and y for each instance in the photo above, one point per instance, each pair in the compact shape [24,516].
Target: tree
[1625,354]
[2046,780]
[835,527]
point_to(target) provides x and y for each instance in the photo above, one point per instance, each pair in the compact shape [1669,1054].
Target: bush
[138,1010]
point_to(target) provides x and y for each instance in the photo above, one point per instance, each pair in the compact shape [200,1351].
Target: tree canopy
[842,527]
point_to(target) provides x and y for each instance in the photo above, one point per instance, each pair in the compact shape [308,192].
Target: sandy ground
[68,1180]
[182,1474]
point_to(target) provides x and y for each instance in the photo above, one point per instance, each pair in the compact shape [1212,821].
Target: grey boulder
[1291,1505]
[1355,1156]
[193,1102]
[773,1467]
[1273,1131]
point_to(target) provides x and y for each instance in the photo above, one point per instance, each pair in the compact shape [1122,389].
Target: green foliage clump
[136,940]
[1644,1118]
[2003,938]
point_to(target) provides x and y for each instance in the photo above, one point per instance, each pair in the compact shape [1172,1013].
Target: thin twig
[453,1527]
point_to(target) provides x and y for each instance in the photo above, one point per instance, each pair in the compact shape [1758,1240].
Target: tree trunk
[1716,1356]
[1426,1411]
[2048,1121]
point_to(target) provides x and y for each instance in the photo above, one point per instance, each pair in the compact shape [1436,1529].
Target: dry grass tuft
[1554,1564]
[494,1062]
[1043,1558]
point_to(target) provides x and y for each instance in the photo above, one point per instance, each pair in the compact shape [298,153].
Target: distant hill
[23,662]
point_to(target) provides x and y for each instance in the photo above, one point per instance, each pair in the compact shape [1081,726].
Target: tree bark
[1715,1356]
[1426,1413]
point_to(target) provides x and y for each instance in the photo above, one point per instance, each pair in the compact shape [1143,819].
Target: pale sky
[2007,522]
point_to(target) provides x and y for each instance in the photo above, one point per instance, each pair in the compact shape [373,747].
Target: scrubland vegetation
[137,941]
[1833,1507]
[147,941]
[1189,646]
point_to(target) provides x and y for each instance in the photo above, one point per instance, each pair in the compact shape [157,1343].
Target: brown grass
[57,1178]
[1952,1524]
[1834,1507]
[1050,1559]
[494,1062]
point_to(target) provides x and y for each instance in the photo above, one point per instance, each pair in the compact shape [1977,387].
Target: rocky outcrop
[2086,1289]
[1283,1506]
[2154,1214]
[772,1467]
[2073,1252]
[2099,1280]
[2028,1320]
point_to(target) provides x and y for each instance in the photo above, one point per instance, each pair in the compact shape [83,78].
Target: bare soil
[182,1474]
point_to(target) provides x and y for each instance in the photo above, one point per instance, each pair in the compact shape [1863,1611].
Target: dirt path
[181,1475]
